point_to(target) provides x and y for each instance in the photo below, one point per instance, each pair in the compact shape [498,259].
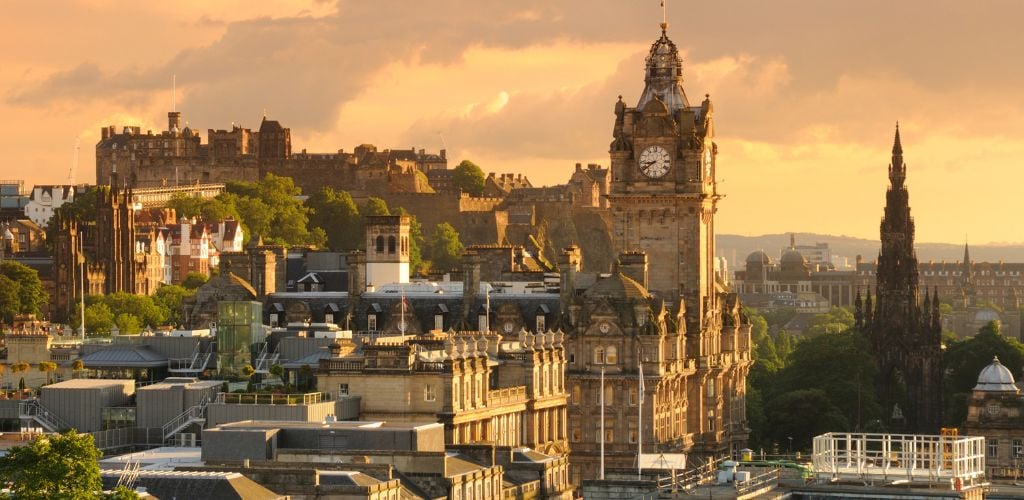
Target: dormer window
[371,322]
[540,323]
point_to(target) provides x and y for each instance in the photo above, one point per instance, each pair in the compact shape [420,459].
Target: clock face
[508,326]
[655,162]
[604,327]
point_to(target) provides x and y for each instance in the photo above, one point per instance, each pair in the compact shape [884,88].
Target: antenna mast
[174,92]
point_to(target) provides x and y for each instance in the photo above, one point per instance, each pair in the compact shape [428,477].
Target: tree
[835,320]
[128,324]
[336,213]
[30,289]
[374,206]
[469,178]
[801,415]
[842,367]
[77,365]
[172,299]
[48,367]
[964,360]
[10,299]
[444,247]
[55,466]
[186,206]
[194,280]
[99,319]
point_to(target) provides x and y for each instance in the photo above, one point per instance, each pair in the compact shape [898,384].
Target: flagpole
[640,415]
[602,423]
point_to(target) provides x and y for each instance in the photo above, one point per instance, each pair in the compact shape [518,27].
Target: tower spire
[897,169]
[664,16]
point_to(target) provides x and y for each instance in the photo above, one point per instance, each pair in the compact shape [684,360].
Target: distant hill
[735,248]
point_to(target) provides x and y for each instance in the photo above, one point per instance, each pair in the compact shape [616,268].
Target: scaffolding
[958,461]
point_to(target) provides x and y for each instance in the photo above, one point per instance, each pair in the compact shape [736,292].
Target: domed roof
[996,378]
[793,257]
[617,286]
[664,75]
[759,257]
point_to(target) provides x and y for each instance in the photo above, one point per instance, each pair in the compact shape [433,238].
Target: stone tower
[663,191]
[905,330]
[387,249]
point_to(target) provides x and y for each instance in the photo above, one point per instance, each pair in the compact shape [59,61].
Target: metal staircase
[195,364]
[193,415]
[33,411]
[266,359]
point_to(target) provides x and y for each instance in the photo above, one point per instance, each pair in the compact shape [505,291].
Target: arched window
[391,244]
[599,355]
[380,243]
[611,355]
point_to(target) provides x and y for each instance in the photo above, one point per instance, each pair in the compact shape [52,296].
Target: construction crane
[74,164]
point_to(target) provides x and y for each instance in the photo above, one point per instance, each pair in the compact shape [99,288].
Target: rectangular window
[540,323]
[343,389]
[572,358]
[632,397]
[371,322]
[429,394]
[439,322]
[1018,448]
[993,448]
[481,323]
[273,320]
[632,435]
[329,318]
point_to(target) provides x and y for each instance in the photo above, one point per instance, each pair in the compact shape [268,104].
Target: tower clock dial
[655,162]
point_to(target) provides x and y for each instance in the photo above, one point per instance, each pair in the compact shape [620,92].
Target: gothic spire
[897,169]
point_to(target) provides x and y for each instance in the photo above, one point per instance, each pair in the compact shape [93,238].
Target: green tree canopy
[55,466]
[469,178]
[336,213]
[836,320]
[964,360]
[444,247]
[194,280]
[172,299]
[31,295]
[270,208]
[10,299]
[374,206]
[801,415]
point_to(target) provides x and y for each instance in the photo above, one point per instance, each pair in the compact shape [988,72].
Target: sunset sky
[806,92]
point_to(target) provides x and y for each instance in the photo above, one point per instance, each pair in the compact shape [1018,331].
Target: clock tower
[663,194]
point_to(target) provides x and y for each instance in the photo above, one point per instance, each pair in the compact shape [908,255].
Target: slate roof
[187,485]
[618,286]
[125,357]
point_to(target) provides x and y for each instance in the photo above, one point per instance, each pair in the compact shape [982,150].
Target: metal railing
[266,359]
[34,410]
[757,482]
[195,414]
[253,398]
[196,363]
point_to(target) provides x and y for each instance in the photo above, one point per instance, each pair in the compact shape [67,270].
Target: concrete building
[82,403]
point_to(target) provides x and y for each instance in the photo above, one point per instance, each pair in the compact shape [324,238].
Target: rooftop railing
[256,398]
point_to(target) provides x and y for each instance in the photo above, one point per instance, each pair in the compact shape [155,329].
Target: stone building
[482,387]
[45,199]
[112,261]
[994,411]
[904,328]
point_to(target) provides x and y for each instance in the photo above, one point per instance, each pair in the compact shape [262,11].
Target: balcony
[508,395]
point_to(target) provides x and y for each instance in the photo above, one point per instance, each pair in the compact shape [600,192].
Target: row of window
[371,322]
[1017,448]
